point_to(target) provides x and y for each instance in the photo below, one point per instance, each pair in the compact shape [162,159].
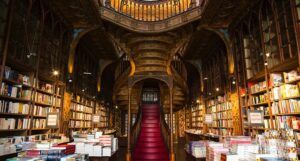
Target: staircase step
[150,121]
[150,145]
[150,135]
[151,130]
[151,156]
[150,118]
[149,125]
[151,150]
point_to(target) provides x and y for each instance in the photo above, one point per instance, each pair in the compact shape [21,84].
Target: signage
[208,118]
[96,118]
[52,120]
[256,117]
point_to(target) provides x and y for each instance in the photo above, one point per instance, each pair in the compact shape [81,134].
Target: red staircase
[150,145]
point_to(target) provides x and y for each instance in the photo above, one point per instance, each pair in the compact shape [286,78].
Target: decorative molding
[151,26]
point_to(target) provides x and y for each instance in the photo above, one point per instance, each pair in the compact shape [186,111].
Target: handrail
[122,66]
[179,67]
[136,129]
[140,26]
[152,11]
[165,130]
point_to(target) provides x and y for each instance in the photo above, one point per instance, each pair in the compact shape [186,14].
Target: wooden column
[128,156]
[7,37]
[172,156]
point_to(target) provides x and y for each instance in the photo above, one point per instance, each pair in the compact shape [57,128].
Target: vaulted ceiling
[84,14]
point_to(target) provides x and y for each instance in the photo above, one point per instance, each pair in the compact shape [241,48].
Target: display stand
[197,137]
[190,157]
[111,158]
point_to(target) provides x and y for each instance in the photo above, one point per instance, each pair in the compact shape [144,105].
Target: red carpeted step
[150,145]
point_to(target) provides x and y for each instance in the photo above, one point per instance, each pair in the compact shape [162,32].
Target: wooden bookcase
[265,45]
[221,110]
[197,116]
[101,110]
[81,112]
[25,97]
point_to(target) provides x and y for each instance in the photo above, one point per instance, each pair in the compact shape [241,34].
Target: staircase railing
[157,11]
[165,130]
[136,128]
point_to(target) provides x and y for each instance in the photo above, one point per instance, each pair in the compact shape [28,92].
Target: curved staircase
[150,145]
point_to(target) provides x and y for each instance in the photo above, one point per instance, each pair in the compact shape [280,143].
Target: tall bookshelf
[197,116]
[25,102]
[221,110]
[81,112]
[187,117]
[47,98]
[104,115]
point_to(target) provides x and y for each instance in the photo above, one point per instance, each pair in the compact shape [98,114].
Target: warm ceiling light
[205,78]
[198,101]
[233,82]
[267,54]
[217,89]
[116,107]
[55,72]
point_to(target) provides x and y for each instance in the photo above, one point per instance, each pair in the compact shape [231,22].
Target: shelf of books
[104,115]
[285,98]
[281,106]
[81,113]
[258,101]
[187,118]
[197,116]
[221,111]
[25,102]
[47,99]
[16,90]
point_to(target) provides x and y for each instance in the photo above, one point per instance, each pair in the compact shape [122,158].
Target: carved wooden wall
[237,130]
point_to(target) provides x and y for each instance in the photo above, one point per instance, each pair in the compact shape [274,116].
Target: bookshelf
[187,118]
[47,98]
[104,115]
[221,110]
[286,99]
[25,102]
[197,116]
[81,112]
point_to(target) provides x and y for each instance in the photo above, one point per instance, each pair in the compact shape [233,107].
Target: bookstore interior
[149,80]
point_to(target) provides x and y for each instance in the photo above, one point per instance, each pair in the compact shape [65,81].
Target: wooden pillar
[172,156]
[7,37]
[128,156]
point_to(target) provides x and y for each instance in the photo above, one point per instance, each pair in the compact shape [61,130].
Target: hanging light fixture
[55,72]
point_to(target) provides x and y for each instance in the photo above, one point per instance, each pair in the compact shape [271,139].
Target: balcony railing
[152,10]
[157,16]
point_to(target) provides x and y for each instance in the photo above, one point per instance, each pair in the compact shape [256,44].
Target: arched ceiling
[201,44]
[101,45]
